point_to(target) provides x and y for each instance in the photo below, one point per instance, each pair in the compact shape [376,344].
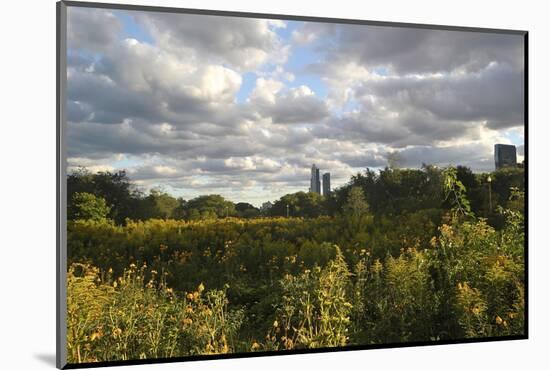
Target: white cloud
[167,111]
[287,105]
[218,83]
[244,43]
[265,91]
[92,29]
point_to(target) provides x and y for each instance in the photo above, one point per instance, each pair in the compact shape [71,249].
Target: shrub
[315,309]
[136,316]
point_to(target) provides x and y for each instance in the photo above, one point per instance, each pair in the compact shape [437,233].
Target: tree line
[389,192]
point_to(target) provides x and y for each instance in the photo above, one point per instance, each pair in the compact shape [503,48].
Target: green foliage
[246,210]
[455,193]
[506,179]
[403,271]
[161,205]
[479,274]
[209,207]
[86,206]
[394,191]
[315,310]
[300,204]
[394,299]
[356,205]
[472,311]
[467,283]
[516,202]
[408,299]
[136,316]
[117,190]
[390,192]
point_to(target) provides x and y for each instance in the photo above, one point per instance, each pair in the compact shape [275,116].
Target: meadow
[158,288]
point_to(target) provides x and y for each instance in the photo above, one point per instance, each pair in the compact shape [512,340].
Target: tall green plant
[455,193]
[315,308]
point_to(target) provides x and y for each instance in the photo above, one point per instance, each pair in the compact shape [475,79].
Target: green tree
[115,187]
[504,180]
[209,206]
[179,212]
[356,206]
[246,210]
[356,216]
[300,204]
[393,191]
[86,206]
[161,204]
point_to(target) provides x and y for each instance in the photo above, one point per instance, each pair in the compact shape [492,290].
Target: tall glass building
[315,182]
[326,183]
[505,156]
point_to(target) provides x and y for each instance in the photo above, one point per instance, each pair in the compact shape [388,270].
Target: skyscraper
[326,184]
[315,182]
[505,156]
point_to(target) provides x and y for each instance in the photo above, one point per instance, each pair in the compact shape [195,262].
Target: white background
[27,182]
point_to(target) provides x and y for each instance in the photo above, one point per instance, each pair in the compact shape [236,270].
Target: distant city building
[315,182]
[326,183]
[505,156]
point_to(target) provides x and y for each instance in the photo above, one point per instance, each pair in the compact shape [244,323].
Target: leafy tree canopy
[300,204]
[209,206]
[86,206]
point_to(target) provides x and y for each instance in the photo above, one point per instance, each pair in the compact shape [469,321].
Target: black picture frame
[61,187]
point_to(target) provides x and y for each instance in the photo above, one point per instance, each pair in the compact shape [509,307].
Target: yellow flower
[498,320]
[289,344]
[255,346]
[200,288]
[275,324]
[95,336]
[187,321]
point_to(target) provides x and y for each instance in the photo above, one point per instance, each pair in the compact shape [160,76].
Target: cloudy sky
[242,107]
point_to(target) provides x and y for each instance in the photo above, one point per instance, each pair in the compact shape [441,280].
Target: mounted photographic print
[236,184]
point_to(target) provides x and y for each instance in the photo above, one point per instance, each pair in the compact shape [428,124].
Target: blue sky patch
[131,28]
[249,81]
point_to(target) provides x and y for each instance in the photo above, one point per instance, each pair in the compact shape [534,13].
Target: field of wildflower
[175,288]
[165,295]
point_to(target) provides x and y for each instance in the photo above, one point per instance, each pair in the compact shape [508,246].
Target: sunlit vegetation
[399,256]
